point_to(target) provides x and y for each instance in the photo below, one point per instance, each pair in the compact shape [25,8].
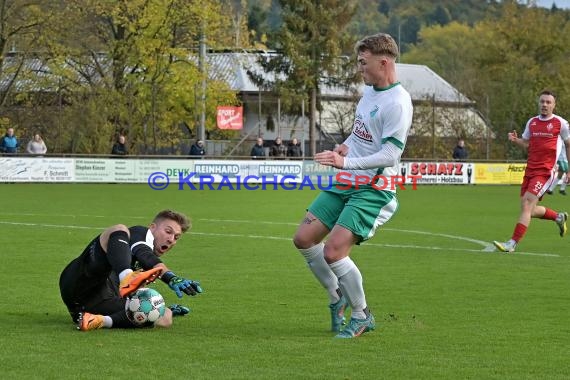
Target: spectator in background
[278,149]
[197,149]
[36,145]
[294,149]
[460,152]
[9,143]
[258,151]
[119,148]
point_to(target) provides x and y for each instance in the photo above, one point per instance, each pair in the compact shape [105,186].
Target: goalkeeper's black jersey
[142,248]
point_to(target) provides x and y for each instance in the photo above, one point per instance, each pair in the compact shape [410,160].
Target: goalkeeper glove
[179,285]
[179,310]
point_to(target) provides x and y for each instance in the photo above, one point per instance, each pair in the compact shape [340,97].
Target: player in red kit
[544,136]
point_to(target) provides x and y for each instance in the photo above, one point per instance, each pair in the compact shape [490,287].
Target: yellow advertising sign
[499,174]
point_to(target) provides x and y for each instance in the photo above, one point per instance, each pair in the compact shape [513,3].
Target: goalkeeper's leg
[106,309]
[115,242]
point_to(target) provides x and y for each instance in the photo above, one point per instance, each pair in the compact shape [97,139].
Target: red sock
[518,233]
[550,214]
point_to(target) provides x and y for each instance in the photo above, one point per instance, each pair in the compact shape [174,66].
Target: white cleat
[561,222]
[508,246]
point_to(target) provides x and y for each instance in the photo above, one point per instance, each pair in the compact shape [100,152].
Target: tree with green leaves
[502,63]
[131,67]
[521,58]
[311,39]
[440,15]
[22,24]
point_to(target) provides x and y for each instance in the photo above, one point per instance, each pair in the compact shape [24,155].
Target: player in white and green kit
[350,213]
[562,176]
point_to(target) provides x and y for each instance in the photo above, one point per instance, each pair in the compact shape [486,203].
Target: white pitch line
[67,215]
[51,225]
[250,222]
[487,247]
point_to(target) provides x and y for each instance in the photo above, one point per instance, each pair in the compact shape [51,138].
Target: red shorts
[537,184]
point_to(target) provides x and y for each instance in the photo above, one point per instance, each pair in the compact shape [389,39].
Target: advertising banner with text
[499,174]
[143,170]
[228,117]
[438,173]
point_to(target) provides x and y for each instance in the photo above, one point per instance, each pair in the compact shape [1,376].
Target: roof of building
[421,82]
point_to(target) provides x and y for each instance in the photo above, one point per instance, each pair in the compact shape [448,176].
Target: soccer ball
[145,305]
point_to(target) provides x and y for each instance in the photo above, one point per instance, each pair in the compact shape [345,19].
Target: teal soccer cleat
[357,327]
[337,314]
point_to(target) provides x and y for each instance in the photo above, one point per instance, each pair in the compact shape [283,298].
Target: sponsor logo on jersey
[361,131]
[542,134]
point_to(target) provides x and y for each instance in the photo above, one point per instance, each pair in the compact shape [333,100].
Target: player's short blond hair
[378,44]
[179,218]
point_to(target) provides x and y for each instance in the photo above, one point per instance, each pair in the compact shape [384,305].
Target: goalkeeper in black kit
[116,263]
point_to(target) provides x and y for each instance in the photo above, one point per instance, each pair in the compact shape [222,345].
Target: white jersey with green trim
[562,155]
[381,126]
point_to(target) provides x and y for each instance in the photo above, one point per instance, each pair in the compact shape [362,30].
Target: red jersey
[544,143]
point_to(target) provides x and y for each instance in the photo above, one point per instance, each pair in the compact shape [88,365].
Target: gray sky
[559,3]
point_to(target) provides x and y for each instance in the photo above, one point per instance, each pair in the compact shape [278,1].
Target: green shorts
[562,166]
[360,210]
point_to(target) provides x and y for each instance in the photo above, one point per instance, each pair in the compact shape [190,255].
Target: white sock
[316,260]
[107,322]
[124,274]
[350,281]
[563,185]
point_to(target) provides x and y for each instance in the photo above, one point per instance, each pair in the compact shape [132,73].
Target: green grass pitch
[446,306]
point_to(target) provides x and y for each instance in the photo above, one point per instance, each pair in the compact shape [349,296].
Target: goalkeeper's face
[166,233]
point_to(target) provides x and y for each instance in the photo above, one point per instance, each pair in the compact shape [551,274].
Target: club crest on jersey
[361,131]
[373,112]
[549,127]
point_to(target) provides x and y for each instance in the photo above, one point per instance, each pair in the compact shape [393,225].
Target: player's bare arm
[513,137]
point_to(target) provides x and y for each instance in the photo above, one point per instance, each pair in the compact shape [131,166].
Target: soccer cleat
[357,327]
[88,321]
[337,313]
[549,192]
[561,222]
[135,280]
[508,246]
[563,192]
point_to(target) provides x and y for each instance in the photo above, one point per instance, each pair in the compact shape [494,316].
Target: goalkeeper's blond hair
[179,218]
